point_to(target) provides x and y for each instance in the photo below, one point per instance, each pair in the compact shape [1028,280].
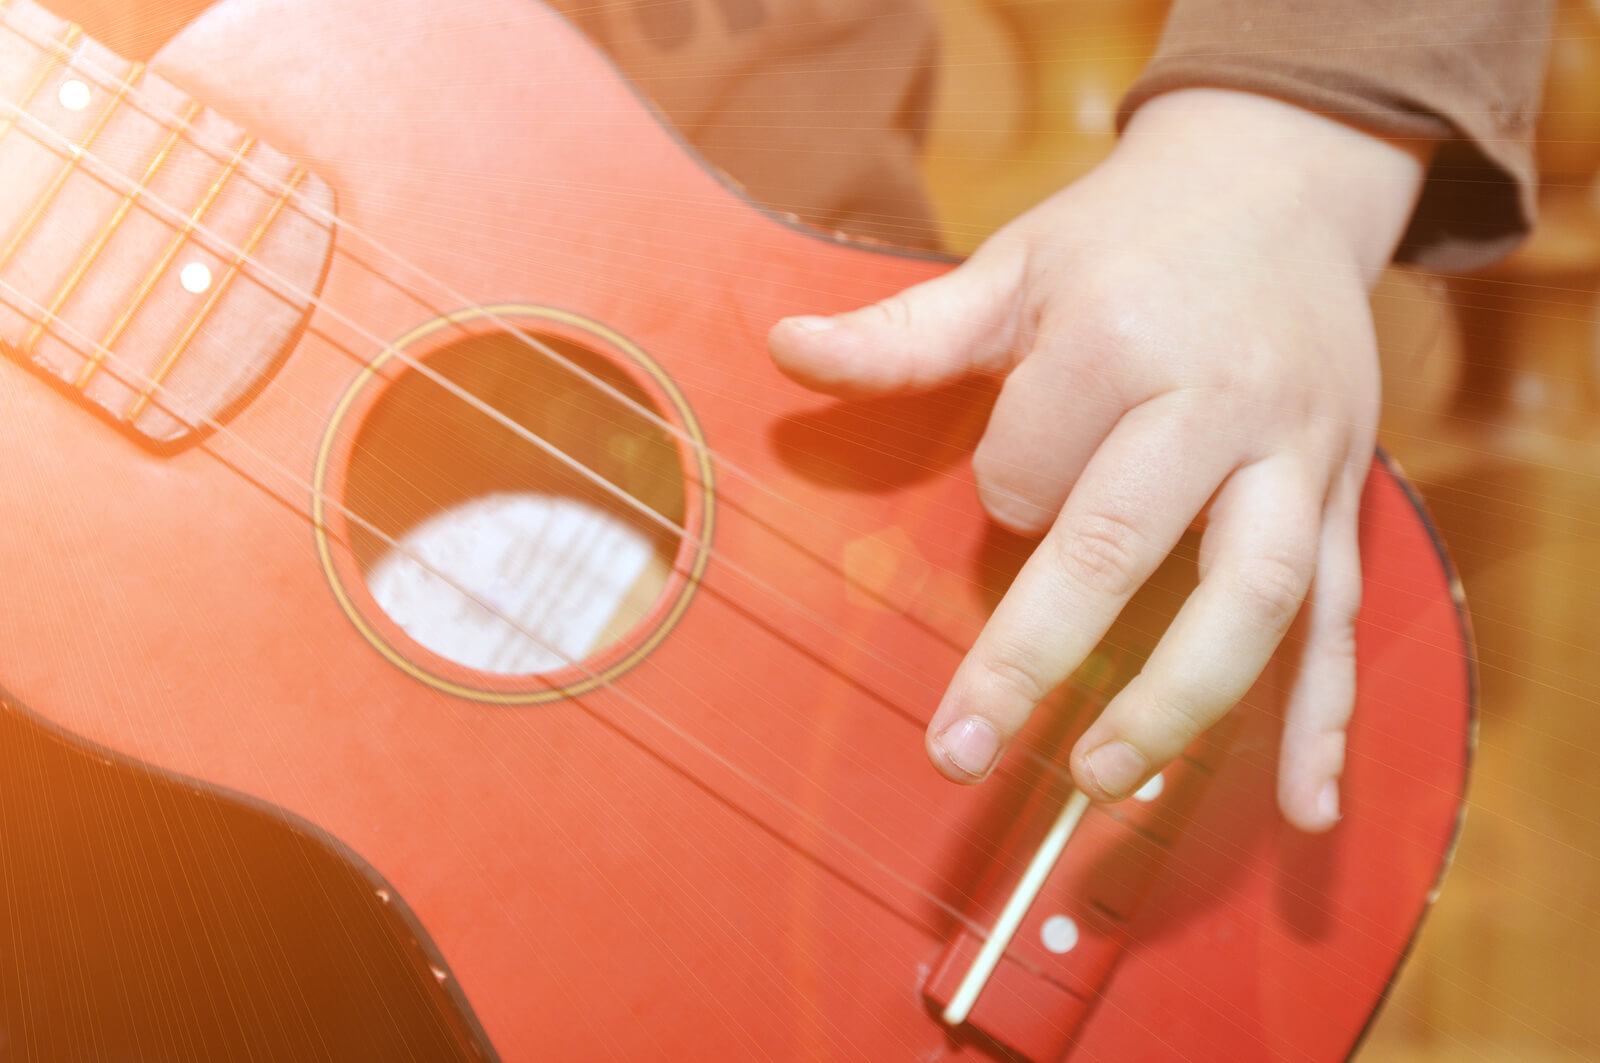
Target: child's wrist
[1264,154]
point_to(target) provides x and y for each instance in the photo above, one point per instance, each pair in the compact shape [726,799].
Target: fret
[99,275]
[51,61]
[110,228]
[215,294]
[71,165]
[97,356]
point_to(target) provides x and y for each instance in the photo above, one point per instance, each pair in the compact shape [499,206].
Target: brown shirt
[1466,73]
[817,106]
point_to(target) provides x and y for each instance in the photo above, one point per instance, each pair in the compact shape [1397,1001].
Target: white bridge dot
[74,95]
[1059,934]
[1152,789]
[195,277]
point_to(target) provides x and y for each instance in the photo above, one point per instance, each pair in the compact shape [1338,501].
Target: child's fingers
[919,338]
[1263,533]
[1052,414]
[1322,697]
[1135,499]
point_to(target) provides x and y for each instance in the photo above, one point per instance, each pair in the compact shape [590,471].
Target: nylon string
[64,146]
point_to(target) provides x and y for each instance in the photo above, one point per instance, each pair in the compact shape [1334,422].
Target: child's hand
[1184,332]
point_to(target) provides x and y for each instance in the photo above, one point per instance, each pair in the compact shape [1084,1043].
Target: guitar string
[700,546]
[727,764]
[63,145]
[621,399]
[28,120]
[1047,763]
[366,525]
[746,776]
[30,124]
[140,102]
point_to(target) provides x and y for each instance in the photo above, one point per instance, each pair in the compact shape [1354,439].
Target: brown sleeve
[1464,72]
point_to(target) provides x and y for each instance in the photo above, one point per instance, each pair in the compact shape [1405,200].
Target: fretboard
[154,257]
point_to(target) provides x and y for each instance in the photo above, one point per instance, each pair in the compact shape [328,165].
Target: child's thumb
[923,337]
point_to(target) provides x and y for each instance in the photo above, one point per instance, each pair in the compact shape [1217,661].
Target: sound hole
[505,557]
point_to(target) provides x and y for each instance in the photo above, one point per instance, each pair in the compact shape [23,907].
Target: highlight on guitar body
[416,478]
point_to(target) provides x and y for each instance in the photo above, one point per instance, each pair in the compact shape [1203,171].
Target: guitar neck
[154,257]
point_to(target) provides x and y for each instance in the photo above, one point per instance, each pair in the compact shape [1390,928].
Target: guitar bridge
[1055,934]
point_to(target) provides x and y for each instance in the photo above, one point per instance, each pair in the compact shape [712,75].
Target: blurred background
[1493,408]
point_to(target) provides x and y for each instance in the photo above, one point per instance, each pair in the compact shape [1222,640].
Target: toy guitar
[389,442]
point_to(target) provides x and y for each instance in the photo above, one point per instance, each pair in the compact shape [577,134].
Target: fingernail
[971,744]
[810,324]
[1328,801]
[1116,769]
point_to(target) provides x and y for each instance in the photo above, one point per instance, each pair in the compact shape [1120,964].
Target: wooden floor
[1508,964]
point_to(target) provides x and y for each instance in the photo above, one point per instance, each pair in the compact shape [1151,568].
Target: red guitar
[404,458]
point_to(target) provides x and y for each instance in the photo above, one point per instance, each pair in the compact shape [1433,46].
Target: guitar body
[718,839]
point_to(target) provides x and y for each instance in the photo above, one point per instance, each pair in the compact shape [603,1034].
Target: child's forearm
[1357,185]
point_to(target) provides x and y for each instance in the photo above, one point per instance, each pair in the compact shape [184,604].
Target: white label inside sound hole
[543,578]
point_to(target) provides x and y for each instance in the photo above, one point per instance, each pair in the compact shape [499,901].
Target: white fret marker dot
[195,277]
[1152,789]
[74,95]
[1059,934]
